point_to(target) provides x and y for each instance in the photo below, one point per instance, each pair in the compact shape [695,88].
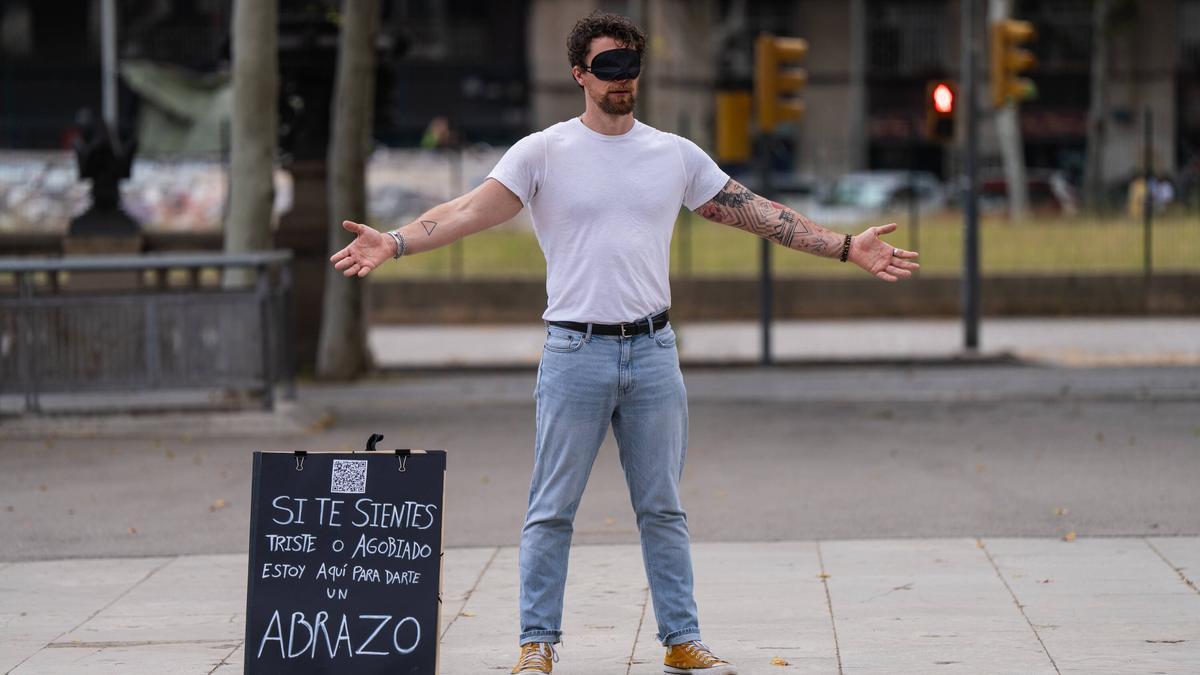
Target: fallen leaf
[43,487]
[467,613]
[170,454]
[219,504]
[979,468]
[1070,536]
[321,423]
[722,493]
[1046,581]
[823,575]
[1061,511]
[610,521]
[779,662]
[133,530]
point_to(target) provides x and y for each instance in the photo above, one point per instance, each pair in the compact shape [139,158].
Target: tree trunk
[1093,172]
[342,349]
[252,155]
[1008,135]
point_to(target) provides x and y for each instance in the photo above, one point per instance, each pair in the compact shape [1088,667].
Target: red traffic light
[943,99]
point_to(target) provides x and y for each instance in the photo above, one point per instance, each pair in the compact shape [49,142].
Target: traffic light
[1009,60]
[733,127]
[940,98]
[774,83]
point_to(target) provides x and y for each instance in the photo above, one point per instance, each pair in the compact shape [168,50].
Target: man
[604,191]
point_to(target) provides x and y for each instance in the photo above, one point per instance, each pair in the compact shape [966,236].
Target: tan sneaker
[695,658]
[536,657]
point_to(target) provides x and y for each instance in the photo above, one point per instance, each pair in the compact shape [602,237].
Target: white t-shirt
[603,209]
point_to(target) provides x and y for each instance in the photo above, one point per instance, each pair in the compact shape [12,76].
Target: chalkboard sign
[345,562]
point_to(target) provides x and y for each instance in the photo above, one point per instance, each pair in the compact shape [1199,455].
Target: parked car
[1049,193]
[866,195]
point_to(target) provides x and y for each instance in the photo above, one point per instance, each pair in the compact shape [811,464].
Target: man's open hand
[880,258]
[369,250]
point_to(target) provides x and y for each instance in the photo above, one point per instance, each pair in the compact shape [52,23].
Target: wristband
[401,246]
[846,248]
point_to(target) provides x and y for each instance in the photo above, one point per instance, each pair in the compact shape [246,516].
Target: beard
[616,105]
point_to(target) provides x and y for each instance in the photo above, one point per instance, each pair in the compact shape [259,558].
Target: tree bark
[1008,135]
[253,138]
[342,348]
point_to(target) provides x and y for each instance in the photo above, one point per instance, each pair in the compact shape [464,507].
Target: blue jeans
[586,382]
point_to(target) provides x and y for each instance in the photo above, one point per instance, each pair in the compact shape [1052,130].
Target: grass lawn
[1051,245]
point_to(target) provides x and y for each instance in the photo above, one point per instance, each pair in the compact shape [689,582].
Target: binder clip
[300,455]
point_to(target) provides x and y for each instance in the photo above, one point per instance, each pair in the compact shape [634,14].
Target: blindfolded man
[604,191]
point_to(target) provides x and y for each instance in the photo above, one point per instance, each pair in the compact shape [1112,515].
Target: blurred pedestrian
[604,191]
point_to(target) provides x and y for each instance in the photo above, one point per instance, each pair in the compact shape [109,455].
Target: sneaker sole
[715,670]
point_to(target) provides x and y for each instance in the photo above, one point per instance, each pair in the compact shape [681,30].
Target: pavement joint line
[638,633]
[225,658]
[837,650]
[93,615]
[1021,608]
[1178,570]
[458,613]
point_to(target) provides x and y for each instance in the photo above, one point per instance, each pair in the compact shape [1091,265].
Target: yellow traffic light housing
[940,98]
[733,126]
[1009,61]
[774,83]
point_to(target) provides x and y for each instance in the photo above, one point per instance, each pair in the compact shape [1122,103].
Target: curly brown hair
[603,24]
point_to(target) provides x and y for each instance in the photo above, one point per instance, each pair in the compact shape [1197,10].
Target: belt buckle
[623,333]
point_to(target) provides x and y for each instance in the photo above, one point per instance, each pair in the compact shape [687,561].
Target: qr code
[349,476]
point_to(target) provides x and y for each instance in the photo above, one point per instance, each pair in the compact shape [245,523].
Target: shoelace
[536,656]
[701,651]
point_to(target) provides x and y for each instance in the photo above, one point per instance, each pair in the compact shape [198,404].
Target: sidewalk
[1057,341]
[1103,605]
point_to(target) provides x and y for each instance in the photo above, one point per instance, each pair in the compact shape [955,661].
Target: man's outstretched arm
[489,204]
[738,207]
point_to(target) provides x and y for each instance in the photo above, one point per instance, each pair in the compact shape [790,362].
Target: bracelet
[846,248]
[401,246]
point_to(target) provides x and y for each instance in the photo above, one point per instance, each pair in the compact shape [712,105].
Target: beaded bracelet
[845,249]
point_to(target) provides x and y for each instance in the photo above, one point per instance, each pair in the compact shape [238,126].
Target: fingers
[898,271]
[901,253]
[343,263]
[340,254]
[352,226]
[906,265]
[886,277]
[884,229]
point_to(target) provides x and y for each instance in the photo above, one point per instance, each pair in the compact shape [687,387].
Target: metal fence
[145,323]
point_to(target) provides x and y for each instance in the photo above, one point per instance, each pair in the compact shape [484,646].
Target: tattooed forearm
[429,226]
[738,207]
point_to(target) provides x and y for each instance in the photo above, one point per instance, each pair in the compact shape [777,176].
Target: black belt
[622,329]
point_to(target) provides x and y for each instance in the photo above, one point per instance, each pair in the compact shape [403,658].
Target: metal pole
[764,286]
[970,287]
[914,209]
[1148,199]
[108,63]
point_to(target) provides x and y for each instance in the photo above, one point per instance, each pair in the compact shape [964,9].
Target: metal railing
[144,323]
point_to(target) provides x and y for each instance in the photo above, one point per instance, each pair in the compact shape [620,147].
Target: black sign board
[345,562]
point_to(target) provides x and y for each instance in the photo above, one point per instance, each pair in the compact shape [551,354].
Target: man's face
[614,97]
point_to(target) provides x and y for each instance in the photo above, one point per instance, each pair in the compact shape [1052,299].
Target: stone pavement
[1004,605]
